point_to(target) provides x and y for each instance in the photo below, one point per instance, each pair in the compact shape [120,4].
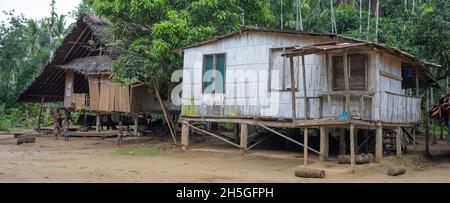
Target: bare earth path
[93,160]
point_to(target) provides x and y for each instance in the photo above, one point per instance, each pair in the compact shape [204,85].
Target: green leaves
[150,30]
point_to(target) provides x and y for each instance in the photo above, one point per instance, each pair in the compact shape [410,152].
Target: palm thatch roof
[89,37]
[91,65]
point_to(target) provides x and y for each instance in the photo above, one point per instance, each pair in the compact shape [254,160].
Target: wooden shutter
[220,68]
[208,64]
[357,76]
[357,65]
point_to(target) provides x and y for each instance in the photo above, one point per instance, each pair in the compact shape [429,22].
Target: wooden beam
[236,132]
[361,107]
[305,149]
[324,143]
[184,136]
[294,111]
[208,133]
[417,84]
[97,122]
[379,144]
[427,123]
[346,82]
[352,147]
[398,141]
[342,146]
[73,46]
[258,142]
[244,137]
[414,141]
[306,102]
[288,138]
[391,76]
[40,115]
[329,106]
[136,125]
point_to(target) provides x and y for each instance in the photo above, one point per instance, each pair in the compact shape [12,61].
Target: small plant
[5,124]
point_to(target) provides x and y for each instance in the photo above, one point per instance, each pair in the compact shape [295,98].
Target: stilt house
[79,75]
[288,79]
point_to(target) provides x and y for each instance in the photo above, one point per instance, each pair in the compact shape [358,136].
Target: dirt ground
[89,160]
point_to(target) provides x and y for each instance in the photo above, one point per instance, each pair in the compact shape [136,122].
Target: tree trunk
[167,115]
[309,173]
[360,16]
[281,16]
[376,21]
[368,18]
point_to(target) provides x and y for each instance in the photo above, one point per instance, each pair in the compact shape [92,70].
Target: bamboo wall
[108,96]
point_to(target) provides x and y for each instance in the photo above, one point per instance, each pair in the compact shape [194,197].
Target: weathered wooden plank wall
[399,108]
[255,55]
[250,56]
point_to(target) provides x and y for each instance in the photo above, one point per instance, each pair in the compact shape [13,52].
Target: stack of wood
[359,159]
[440,111]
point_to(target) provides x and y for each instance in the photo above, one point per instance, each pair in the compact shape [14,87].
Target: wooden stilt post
[40,116]
[324,143]
[305,149]
[342,141]
[244,136]
[379,144]
[294,110]
[356,139]
[398,141]
[414,139]
[352,147]
[136,125]
[97,122]
[427,124]
[366,136]
[236,132]
[417,84]
[184,136]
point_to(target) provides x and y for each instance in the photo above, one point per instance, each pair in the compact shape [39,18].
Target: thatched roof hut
[89,37]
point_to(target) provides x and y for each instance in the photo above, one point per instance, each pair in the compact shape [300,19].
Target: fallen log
[23,140]
[359,159]
[309,173]
[396,171]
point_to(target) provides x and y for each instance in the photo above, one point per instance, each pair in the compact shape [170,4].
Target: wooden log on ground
[26,140]
[396,171]
[359,159]
[303,172]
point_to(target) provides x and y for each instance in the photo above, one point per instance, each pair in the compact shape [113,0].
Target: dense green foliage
[24,49]
[149,32]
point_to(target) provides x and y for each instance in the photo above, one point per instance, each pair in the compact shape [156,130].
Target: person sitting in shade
[120,133]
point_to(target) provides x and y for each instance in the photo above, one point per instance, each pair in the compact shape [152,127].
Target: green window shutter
[208,63]
[220,68]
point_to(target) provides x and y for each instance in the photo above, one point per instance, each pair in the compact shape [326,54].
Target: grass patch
[138,151]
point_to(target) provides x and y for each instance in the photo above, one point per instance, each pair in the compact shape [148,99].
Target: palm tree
[33,32]
[59,28]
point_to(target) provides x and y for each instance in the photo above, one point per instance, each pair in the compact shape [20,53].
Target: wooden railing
[396,108]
